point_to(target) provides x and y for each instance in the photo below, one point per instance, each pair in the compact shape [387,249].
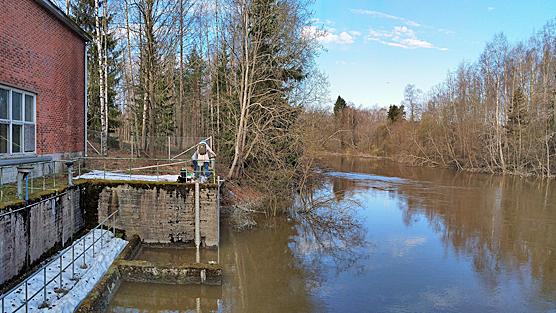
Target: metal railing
[37,179]
[120,144]
[55,277]
[156,167]
[50,175]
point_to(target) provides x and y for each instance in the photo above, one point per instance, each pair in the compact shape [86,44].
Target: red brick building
[42,81]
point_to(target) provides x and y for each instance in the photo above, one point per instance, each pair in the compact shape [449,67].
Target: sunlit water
[386,239]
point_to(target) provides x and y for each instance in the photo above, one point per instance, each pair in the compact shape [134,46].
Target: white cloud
[384,15]
[395,45]
[346,38]
[490,9]
[329,35]
[445,31]
[399,36]
[412,23]
[343,38]
[375,13]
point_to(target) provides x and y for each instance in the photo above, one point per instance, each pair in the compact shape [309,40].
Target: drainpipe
[86,87]
[22,172]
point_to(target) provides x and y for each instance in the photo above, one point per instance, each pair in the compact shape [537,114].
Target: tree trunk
[104,126]
[130,88]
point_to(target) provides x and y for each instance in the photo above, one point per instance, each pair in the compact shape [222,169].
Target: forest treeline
[243,71]
[238,70]
[496,114]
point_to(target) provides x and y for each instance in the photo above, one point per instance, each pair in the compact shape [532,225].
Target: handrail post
[60,271]
[84,242]
[26,300]
[73,261]
[44,284]
[1,186]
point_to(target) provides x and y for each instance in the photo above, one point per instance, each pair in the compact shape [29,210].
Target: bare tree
[411,99]
[267,44]
[103,113]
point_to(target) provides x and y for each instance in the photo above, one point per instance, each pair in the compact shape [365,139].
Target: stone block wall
[30,234]
[162,213]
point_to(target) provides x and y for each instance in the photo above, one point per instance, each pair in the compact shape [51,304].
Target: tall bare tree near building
[131,80]
[105,69]
[103,113]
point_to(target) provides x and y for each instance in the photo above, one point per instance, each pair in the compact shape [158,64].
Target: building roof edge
[52,8]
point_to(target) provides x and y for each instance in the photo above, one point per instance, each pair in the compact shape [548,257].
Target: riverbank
[409,161]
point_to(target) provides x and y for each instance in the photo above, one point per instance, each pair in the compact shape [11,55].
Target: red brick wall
[38,52]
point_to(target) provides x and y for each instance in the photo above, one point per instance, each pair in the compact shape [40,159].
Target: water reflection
[262,273]
[143,297]
[506,225]
[377,237]
[332,235]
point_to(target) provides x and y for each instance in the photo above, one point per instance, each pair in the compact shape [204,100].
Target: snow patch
[75,290]
[96,174]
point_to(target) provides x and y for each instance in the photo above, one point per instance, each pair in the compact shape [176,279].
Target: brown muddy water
[383,238]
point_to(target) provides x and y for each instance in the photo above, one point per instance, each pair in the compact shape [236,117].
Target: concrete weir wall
[162,212]
[31,233]
[125,268]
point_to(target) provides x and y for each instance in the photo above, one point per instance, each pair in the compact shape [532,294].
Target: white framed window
[17,121]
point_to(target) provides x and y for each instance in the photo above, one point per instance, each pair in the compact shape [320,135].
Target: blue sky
[375,48]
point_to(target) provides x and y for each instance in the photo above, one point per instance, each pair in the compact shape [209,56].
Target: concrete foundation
[162,213]
[126,269]
[31,233]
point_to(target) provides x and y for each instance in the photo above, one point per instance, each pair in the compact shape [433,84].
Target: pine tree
[396,113]
[517,112]
[339,106]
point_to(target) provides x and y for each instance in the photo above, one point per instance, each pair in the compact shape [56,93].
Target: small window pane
[29,137]
[4,137]
[4,103]
[17,107]
[17,134]
[29,109]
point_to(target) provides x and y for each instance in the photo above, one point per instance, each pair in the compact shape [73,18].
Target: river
[385,238]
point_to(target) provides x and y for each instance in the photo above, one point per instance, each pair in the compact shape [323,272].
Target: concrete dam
[148,214]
